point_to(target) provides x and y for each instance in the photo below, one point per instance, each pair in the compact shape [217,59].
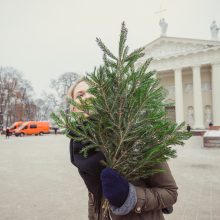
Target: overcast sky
[45,38]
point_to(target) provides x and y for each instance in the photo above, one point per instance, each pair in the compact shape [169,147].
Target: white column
[216,94]
[197,98]
[178,96]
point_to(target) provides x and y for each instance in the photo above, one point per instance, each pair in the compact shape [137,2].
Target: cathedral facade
[189,69]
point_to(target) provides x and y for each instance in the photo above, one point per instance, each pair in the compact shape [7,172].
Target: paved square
[38,182]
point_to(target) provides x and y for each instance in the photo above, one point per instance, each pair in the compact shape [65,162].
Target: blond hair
[71,90]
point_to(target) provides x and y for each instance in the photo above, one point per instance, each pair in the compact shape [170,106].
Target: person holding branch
[120,138]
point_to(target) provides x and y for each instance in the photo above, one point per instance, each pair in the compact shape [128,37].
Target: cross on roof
[161,10]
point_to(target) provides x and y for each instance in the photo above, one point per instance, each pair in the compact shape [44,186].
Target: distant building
[190,71]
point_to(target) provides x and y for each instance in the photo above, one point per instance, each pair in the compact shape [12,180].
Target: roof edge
[204,41]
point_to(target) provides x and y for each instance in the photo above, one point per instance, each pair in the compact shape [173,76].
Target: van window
[33,126]
[25,127]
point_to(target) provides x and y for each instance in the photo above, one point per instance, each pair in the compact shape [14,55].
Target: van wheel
[21,134]
[41,133]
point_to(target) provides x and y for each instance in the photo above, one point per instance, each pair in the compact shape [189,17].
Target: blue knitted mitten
[115,188]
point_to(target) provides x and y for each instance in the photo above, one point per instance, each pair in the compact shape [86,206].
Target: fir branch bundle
[128,120]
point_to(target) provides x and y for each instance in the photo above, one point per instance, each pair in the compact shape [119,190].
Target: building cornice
[188,60]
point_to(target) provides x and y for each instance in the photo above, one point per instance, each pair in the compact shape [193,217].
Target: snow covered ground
[38,182]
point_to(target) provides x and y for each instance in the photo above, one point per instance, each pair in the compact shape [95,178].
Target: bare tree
[61,86]
[45,106]
[15,97]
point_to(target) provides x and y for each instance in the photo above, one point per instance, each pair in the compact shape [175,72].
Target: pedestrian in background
[7,133]
[188,128]
[55,130]
[210,125]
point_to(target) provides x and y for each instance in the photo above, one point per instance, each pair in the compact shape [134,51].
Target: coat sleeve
[162,192]
[91,207]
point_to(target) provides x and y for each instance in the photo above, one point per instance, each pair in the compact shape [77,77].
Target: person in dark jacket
[55,130]
[188,128]
[7,133]
[143,199]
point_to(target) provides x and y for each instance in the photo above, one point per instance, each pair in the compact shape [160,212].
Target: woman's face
[81,91]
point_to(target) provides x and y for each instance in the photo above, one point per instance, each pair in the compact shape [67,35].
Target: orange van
[15,126]
[33,127]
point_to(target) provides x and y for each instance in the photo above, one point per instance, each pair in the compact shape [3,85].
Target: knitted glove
[115,188]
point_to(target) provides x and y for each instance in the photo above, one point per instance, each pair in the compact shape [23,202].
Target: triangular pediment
[165,47]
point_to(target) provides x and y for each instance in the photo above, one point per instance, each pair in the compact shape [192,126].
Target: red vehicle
[15,126]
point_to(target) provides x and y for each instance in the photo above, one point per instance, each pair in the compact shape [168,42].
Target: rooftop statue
[214,30]
[163,25]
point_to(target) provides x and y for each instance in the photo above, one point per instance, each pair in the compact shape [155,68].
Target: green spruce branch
[128,121]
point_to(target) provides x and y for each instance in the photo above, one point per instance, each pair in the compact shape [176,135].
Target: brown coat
[153,194]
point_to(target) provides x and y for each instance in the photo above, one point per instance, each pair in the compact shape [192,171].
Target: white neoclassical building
[190,70]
